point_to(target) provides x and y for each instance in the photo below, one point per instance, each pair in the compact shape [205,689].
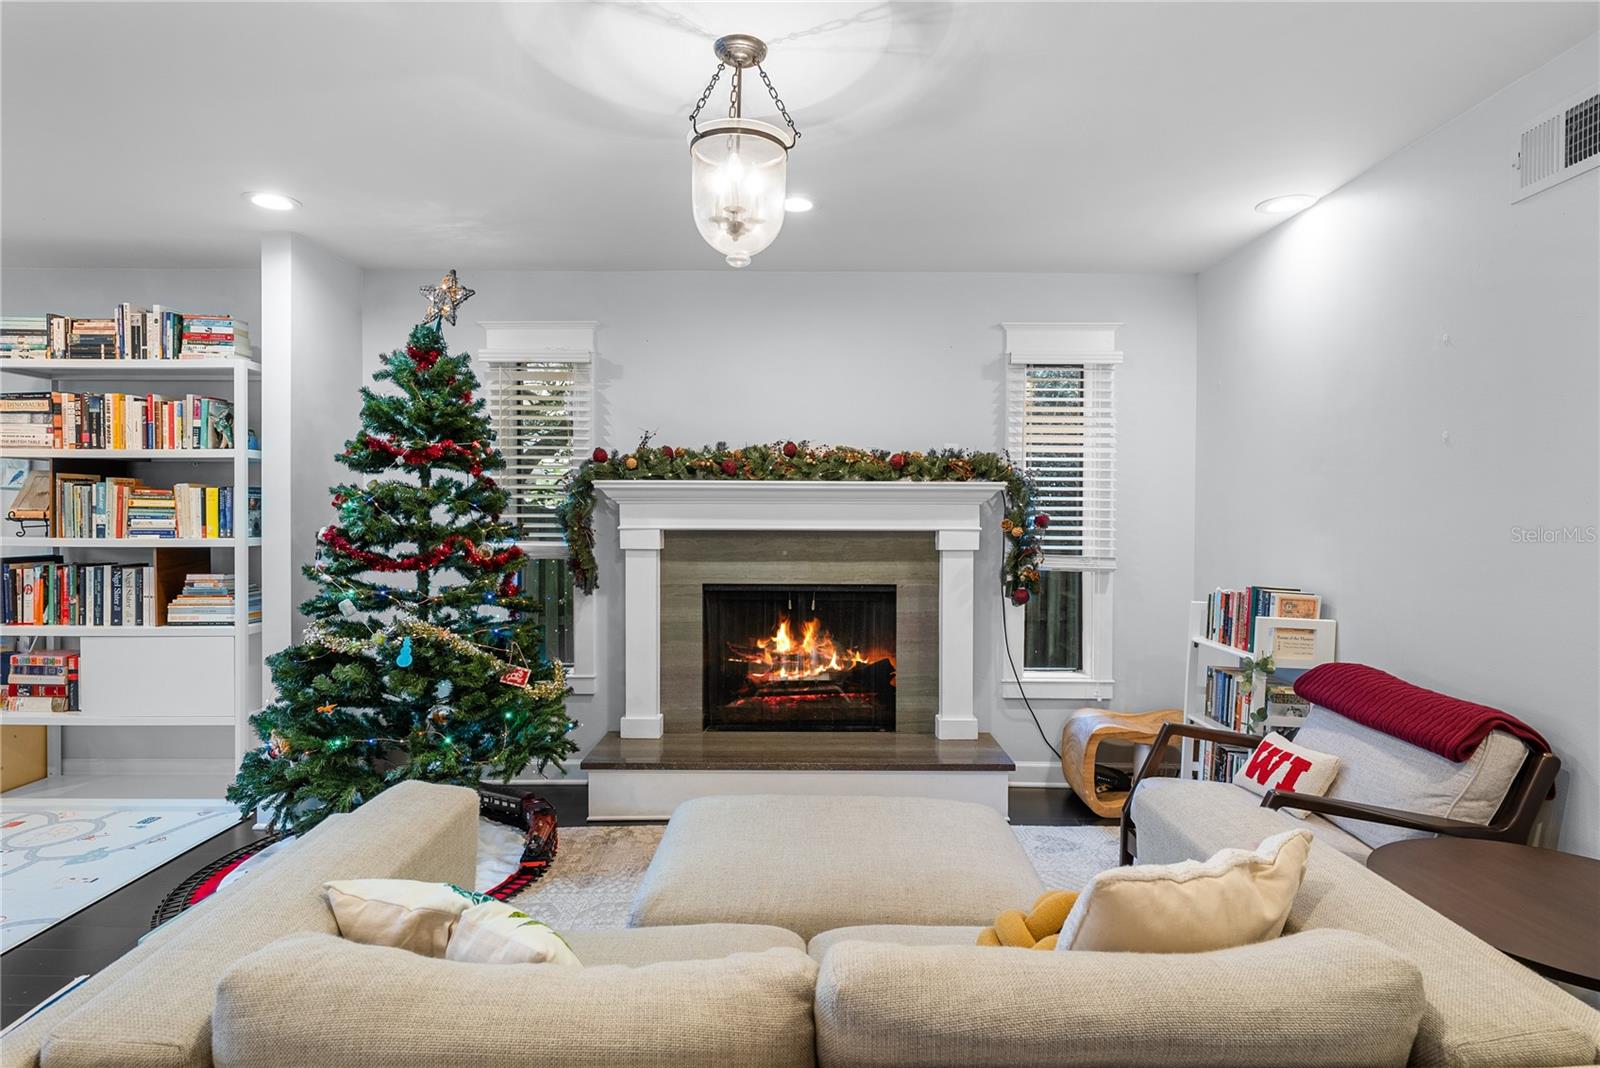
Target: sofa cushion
[1483,1008]
[814,863]
[635,946]
[896,934]
[1234,898]
[404,913]
[158,1013]
[1279,764]
[1323,998]
[1174,806]
[1377,769]
[317,1000]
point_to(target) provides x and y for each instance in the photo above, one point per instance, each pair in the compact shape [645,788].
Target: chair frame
[1512,822]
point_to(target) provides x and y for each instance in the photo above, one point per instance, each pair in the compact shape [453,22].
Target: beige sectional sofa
[257,976]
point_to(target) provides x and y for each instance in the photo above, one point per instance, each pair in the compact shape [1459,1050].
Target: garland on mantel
[805,462]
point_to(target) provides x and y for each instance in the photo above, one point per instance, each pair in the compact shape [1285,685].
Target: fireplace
[789,657]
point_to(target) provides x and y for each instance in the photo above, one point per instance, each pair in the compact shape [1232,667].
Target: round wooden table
[1536,905]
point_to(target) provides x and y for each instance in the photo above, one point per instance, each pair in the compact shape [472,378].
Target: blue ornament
[404,659]
[442,690]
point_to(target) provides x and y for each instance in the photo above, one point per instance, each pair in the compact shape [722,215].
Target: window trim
[567,341]
[1064,344]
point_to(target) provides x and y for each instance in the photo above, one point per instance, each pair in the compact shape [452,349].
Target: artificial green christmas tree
[422,658]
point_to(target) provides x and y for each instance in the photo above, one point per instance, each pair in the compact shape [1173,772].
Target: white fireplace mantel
[646,509]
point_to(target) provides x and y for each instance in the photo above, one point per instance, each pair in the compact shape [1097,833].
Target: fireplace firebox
[799,658]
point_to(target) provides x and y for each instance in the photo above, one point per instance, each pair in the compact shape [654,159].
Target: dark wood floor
[91,939]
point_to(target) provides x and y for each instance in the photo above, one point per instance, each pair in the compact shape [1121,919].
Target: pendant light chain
[776,99]
[705,96]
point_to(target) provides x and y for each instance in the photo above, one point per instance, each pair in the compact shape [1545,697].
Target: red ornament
[666,450]
[517,676]
[790,449]
[467,396]
[898,461]
[338,499]
[1041,520]
[1019,596]
[601,456]
[729,467]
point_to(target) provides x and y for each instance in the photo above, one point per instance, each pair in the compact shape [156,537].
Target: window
[1061,428]
[539,394]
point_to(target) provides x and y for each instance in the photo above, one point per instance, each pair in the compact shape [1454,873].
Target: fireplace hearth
[799,657]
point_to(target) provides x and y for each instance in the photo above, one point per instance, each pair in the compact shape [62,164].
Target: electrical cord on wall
[1006,628]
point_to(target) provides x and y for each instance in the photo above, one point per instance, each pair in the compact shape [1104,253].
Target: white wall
[1390,385]
[312,348]
[87,292]
[886,360]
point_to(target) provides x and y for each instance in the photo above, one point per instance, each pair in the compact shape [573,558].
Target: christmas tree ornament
[445,298]
[347,608]
[1019,596]
[403,658]
[790,449]
[1041,521]
[443,689]
[600,456]
[327,710]
[631,463]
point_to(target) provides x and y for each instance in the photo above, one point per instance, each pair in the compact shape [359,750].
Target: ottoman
[810,864]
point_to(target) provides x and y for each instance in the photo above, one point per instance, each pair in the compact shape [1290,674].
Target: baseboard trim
[149,766]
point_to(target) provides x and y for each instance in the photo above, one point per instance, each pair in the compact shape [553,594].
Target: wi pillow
[1236,898]
[1279,764]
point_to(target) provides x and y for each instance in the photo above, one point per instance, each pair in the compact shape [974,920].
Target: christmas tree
[422,659]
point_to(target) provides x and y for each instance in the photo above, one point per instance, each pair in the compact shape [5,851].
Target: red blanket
[1432,721]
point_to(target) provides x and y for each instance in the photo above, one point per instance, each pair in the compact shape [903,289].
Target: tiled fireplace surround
[677,537]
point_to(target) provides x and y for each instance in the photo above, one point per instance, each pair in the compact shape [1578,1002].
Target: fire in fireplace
[799,658]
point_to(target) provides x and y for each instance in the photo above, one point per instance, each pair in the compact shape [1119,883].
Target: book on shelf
[48,591]
[1220,763]
[99,506]
[1231,615]
[42,682]
[129,333]
[207,600]
[1226,701]
[62,420]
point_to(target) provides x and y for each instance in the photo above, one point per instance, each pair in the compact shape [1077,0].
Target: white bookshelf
[1295,645]
[155,676]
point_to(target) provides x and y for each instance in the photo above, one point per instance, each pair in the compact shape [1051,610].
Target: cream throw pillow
[496,933]
[1235,898]
[402,913]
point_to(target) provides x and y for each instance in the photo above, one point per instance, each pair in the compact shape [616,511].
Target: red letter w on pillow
[1267,759]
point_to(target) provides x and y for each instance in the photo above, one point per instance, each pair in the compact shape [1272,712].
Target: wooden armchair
[1512,822]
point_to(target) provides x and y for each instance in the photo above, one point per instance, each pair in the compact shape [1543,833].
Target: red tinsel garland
[418,455]
[334,539]
[423,358]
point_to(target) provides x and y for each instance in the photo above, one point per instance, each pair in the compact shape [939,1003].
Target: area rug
[598,869]
[61,855]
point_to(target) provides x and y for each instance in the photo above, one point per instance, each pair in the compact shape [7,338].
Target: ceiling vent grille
[1560,144]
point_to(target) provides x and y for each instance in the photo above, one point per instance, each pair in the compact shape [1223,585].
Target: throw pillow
[1279,764]
[497,933]
[402,913]
[1237,897]
[1035,929]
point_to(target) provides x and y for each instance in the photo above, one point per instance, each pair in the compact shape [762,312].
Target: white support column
[957,555]
[641,711]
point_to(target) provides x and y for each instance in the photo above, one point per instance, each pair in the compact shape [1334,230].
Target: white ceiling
[980,136]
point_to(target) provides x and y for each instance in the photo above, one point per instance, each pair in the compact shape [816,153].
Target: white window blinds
[1062,429]
[540,400]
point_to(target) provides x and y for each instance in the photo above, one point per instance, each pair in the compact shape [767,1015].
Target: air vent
[1558,145]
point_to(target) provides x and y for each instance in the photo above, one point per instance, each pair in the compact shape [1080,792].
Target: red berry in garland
[666,450]
[898,461]
[729,467]
[601,456]
[1041,520]
[1019,596]
[790,449]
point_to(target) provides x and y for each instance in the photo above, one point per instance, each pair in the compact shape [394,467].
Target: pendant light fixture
[738,166]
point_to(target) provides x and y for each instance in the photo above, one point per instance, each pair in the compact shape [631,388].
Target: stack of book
[42,682]
[130,333]
[207,600]
[91,339]
[115,421]
[93,506]
[1231,614]
[1220,763]
[52,593]
[32,337]
[212,336]
[1227,704]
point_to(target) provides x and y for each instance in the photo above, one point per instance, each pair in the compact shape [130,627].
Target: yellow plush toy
[1035,929]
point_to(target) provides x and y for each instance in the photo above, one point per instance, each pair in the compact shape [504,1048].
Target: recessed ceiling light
[1286,205]
[272,201]
[797,204]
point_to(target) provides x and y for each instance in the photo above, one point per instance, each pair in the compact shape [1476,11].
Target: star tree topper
[445,298]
